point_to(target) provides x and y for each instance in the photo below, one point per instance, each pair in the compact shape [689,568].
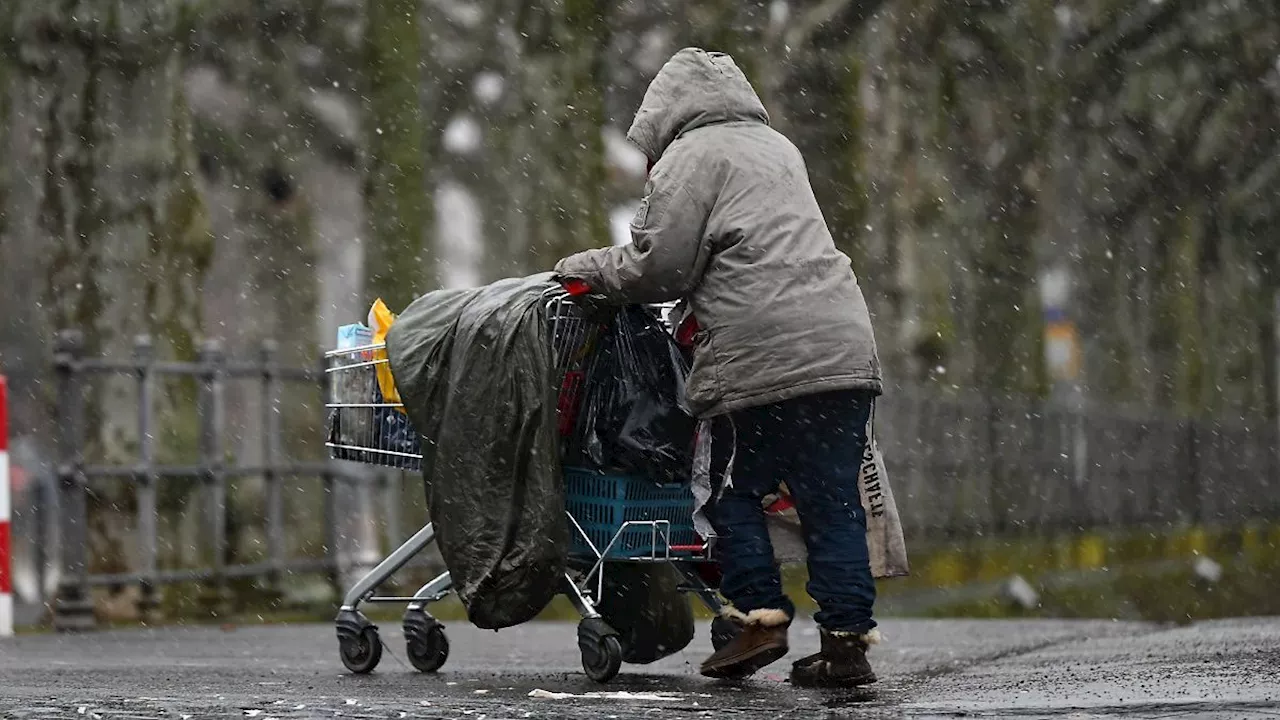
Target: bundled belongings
[357,434]
[475,371]
[633,419]
[365,423]
[642,601]
[554,440]
[886,546]
[473,368]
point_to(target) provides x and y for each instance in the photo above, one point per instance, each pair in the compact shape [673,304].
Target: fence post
[997,512]
[270,456]
[1201,433]
[1275,427]
[144,357]
[73,605]
[45,539]
[212,462]
[1079,471]
[332,536]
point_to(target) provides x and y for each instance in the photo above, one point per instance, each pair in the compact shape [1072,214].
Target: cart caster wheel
[425,641]
[723,631]
[358,643]
[361,653]
[601,650]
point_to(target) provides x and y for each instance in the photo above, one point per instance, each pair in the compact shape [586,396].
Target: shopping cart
[613,518]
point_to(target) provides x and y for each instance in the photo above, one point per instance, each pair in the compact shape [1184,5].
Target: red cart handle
[575,287]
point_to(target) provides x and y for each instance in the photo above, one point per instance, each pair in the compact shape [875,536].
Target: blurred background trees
[1056,198]
[1065,201]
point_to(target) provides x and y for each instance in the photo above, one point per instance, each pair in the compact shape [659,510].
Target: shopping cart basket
[613,518]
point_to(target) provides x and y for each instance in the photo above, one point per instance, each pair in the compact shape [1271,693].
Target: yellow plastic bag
[380,320]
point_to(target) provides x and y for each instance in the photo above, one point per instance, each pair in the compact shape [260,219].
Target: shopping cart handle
[575,287]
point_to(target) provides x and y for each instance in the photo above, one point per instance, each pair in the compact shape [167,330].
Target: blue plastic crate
[602,503]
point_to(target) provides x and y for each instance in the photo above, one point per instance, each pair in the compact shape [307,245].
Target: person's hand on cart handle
[595,306]
[575,287]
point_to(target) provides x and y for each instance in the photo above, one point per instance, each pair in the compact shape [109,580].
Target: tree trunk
[124,230]
[399,262]
[561,156]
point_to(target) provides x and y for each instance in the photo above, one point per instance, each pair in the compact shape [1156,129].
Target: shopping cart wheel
[362,652]
[723,631]
[425,641]
[601,649]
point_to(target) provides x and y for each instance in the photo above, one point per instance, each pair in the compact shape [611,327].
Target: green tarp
[474,370]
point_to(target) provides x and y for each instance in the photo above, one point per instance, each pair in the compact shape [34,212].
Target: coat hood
[694,88]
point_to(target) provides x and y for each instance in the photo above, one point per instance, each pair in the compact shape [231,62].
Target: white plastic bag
[885,542]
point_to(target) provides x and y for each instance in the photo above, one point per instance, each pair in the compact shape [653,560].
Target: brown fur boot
[842,662]
[763,640]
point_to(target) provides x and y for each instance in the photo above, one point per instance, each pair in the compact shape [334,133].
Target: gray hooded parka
[729,224]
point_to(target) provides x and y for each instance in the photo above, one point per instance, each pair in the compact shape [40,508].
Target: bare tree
[398,196]
[123,227]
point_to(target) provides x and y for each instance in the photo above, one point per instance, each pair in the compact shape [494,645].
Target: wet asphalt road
[942,668]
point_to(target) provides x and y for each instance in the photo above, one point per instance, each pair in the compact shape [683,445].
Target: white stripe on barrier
[4,487]
[6,542]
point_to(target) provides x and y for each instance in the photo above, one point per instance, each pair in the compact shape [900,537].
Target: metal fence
[963,464]
[204,479]
[966,463]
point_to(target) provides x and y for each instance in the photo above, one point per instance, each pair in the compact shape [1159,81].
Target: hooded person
[784,356]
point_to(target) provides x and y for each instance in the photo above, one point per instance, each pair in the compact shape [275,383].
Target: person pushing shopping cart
[785,371]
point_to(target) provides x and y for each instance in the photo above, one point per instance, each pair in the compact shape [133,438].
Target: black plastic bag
[633,419]
[643,602]
[396,434]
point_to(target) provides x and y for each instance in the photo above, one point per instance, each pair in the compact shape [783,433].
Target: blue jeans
[814,444]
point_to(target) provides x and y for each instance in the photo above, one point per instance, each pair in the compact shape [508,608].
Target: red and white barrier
[6,566]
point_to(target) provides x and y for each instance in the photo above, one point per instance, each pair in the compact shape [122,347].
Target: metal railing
[207,476]
[962,464]
[969,464]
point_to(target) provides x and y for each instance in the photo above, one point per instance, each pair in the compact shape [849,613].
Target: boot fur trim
[764,616]
[872,638]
